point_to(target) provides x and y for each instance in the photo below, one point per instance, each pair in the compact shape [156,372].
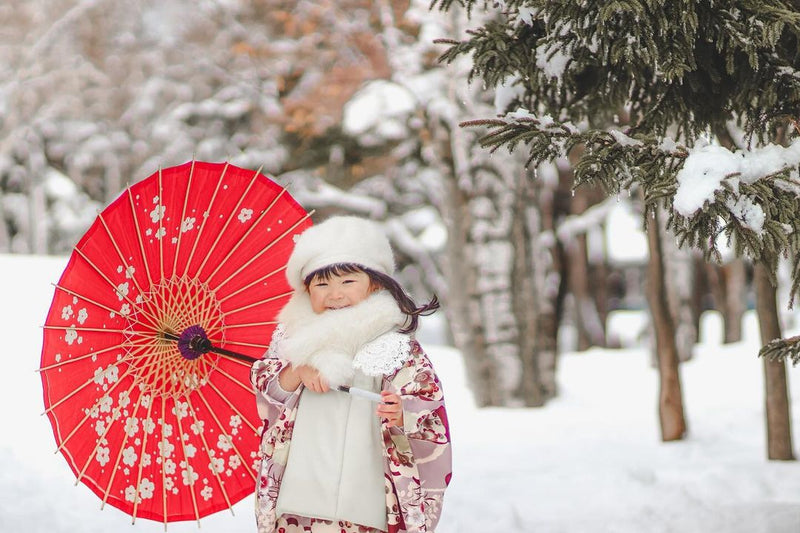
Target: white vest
[335,467]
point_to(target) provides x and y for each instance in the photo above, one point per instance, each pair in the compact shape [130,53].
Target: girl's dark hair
[384,281]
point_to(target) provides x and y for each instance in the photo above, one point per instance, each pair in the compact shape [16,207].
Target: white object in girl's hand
[361,393]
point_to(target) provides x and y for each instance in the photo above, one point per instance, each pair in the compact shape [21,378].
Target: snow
[552,62]
[506,92]
[707,166]
[623,139]
[527,15]
[591,461]
[625,238]
[380,106]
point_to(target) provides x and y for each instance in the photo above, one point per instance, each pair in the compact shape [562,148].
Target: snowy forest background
[348,105]
[677,120]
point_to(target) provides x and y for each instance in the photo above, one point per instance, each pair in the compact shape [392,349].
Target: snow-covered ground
[591,461]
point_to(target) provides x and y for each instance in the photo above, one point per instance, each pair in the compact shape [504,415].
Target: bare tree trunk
[526,226]
[481,371]
[37,204]
[725,302]
[702,288]
[727,283]
[681,286]
[578,273]
[549,274]
[735,299]
[735,302]
[598,281]
[670,404]
[778,415]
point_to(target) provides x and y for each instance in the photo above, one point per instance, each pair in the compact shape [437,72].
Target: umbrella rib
[87,415]
[111,284]
[160,234]
[114,418]
[259,302]
[163,459]
[210,457]
[259,254]
[152,364]
[189,469]
[183,216]
[219,425]
[247,233]
[114,470]
[240,384]
[206,214]
[213,318]
[141,454]
[174,307]
[70,395]
[76,359]
[103,330]
[139,238]
[251,324]
[158,365]
[250,344]
[227,401]
[126,373]
[119,252]
[255,282]
[227,222]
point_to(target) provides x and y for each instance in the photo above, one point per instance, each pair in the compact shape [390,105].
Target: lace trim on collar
[384,355]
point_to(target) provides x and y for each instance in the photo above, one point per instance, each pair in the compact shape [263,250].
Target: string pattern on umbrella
[175,305]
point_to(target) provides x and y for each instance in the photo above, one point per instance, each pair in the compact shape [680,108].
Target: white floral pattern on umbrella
[150,431]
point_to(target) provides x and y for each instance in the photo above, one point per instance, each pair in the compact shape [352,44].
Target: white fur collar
[328,341]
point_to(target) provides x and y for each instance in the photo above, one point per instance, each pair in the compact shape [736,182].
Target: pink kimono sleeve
[420,452]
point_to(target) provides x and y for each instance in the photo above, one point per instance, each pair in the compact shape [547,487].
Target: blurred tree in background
[680,72]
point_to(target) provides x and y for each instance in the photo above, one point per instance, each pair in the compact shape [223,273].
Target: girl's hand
[391,409]
[310,377]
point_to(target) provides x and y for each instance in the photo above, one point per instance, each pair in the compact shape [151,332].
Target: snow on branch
[314,193]
[708,167]
[752,197]
[574,226]
[406,242]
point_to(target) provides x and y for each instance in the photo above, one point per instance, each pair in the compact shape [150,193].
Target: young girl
[333,461]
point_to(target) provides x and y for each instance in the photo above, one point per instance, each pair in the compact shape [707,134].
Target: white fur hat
[341,239]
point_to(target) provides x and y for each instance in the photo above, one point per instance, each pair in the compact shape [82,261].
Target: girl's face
[338,291]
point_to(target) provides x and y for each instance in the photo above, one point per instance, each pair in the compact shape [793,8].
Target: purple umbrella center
[193,342]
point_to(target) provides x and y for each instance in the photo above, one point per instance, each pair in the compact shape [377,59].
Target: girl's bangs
[337,269]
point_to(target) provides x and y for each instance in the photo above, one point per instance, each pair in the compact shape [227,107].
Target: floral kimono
[417,457]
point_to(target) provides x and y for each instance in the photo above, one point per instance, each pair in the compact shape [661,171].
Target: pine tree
[684,73]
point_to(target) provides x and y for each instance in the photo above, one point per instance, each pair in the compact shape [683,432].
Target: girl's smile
[338,291]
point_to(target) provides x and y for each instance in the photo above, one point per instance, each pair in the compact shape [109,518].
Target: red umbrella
[149,400]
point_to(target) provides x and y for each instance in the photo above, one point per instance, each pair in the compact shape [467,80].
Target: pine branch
[543,137]
[782,349]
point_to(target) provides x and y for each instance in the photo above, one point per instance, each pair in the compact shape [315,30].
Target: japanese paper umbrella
[148,343]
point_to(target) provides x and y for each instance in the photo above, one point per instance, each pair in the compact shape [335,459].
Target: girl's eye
[320,284]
